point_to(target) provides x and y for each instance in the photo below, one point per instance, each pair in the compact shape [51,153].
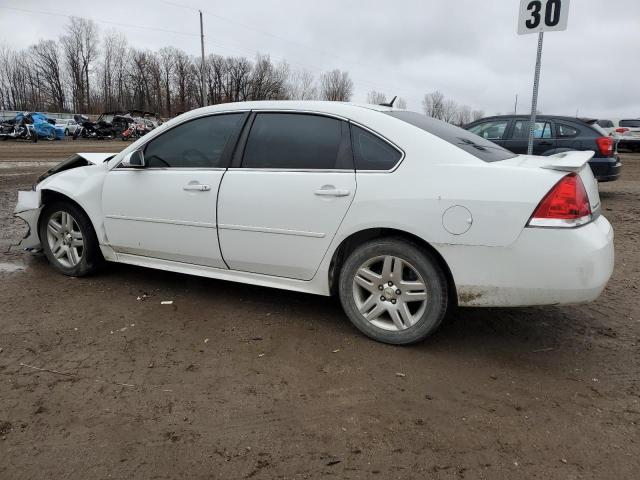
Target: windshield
[461,138]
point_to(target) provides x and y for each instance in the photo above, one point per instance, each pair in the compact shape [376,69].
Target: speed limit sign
[539,16]
[542,16]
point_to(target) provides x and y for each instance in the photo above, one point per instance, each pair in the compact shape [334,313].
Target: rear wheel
[393,291]
[68,239]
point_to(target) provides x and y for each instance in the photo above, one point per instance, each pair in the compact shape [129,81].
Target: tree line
[89,72]
[84,71]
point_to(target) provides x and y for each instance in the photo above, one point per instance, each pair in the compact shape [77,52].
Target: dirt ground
[235,381]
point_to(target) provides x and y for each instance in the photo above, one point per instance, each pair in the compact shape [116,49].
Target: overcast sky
[468,49]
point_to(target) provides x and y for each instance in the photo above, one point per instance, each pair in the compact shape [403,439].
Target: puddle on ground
[6,267]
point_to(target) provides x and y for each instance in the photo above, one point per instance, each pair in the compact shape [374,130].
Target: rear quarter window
[475,145]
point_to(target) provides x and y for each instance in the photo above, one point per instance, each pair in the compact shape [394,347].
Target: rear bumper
[606,169]
[545,266]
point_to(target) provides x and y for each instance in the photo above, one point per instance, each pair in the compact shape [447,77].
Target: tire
[413,318]
[87,257]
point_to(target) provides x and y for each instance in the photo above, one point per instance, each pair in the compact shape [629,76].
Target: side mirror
[133,159]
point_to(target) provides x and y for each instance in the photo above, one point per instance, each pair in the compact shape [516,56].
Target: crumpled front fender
[28,209]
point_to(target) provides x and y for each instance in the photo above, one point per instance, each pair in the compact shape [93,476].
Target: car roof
[335,108]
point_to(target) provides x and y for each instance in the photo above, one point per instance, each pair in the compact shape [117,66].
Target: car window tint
[490,130]
[630,123]
[371,152]
[566,130]
[605,123]
[294,141]
[198,143]
[475,145]
[521,129]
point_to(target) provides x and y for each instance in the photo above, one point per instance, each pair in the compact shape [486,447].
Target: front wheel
[393,291]
[68,239]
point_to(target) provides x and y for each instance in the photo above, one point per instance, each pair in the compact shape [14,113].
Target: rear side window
[467,141]
[490,130]
[630,123]
[371,152]
[565,131]
[521,129]
[293,141]
[198,143]
[605,123]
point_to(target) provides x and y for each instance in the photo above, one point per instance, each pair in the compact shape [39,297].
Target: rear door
[280,207]
[518,138]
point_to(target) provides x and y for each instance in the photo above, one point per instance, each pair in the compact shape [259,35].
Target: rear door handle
[332,192]
[197,187]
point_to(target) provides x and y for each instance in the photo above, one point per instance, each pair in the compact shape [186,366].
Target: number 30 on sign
[542,16]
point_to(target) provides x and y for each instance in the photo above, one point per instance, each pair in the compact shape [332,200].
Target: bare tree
[401,103]
[301,86]
[80,45]
[113,70]
[477,115]
[463,115]
[46,60]
[376,98]
[433,104]
[336,86]
[449,110]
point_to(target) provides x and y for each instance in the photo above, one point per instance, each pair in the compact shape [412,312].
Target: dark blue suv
[553,134]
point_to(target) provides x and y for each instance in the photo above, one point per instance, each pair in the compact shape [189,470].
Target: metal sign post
[534,98]
[539,16]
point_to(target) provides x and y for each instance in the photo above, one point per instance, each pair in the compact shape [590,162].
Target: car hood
[75,161]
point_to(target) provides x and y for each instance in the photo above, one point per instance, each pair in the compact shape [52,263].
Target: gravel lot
[234,381]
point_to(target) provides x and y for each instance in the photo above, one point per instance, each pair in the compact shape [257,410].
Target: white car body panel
[276,223]
[149,213]
[275,231]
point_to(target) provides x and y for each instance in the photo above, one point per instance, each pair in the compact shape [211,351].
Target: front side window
[198,143]
[521,130]
[371,152]
[294,141]
[490,130]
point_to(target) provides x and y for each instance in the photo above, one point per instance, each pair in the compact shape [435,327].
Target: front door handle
[331,191]
[197,187]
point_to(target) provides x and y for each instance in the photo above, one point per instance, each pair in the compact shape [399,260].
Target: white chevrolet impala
[398,214]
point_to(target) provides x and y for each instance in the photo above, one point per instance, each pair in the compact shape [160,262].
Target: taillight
[566,205]
[622,130]
[605,145]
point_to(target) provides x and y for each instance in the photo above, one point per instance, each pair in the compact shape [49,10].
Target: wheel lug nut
[393,300]
[382,298]
[390,283]
[398,292]
[380,287]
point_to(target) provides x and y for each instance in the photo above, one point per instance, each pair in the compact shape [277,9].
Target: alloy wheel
[390,293]
[65,239]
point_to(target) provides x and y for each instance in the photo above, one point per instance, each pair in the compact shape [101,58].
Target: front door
[167,209]
[280,209]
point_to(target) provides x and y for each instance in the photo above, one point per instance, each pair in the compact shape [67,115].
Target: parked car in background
[397,214]
[553,134]
[69,125]
[628,131]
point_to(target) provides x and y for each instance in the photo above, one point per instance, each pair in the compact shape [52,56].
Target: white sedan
[400,215]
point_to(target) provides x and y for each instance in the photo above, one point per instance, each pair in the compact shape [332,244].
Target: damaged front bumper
[28,209]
